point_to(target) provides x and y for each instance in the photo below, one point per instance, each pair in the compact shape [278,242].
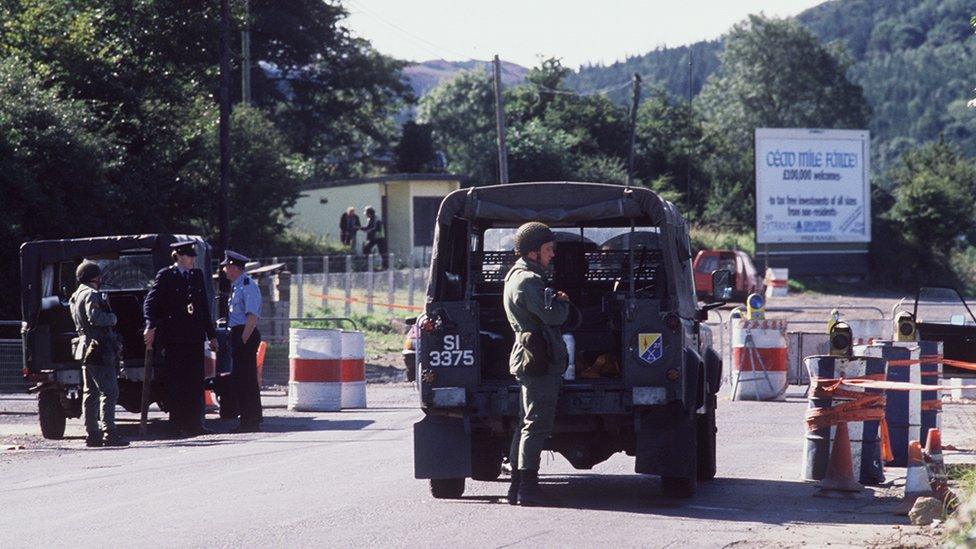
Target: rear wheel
[51,414]
[446,488]
[486,460]
[706,431]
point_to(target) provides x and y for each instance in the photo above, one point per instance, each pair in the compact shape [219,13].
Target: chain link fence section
[351,285]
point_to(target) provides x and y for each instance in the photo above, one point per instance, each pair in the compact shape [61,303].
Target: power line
[419,40]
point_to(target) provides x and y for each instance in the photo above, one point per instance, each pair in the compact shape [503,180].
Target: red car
[745,278]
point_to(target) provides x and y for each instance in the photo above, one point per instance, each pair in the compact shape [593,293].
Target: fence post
[348,284]
[390,281]
[369,283]
[325,281]
[300,301]
[410,273]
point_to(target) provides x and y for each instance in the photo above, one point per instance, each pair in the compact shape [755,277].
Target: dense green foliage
[928,219]
[108,117]
[913,58]
[774,74]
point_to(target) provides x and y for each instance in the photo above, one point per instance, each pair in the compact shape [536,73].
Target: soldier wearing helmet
[538,359]
[98,350]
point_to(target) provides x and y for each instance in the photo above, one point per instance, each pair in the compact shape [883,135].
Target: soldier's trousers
[537,414]
[244,376]
[101,394]
[184,371]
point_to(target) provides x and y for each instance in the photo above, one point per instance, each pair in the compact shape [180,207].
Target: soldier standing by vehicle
[244,310]
[375,236]
[177,307]
[538,357]
[98,350]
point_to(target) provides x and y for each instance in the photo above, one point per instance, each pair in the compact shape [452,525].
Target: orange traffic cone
[939,481]
[839,481]
[916,480]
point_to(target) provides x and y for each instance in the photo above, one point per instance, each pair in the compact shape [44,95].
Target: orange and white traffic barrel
[314,373]
[353,369]
[758,359]
[777,282]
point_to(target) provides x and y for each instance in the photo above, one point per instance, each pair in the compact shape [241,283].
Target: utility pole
[691,52]
[633,128]
[500,123]
[246,55]
[223,221]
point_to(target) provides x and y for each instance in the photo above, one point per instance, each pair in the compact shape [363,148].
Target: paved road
[345,479]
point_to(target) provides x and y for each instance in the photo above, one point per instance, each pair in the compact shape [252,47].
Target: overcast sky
[578,31]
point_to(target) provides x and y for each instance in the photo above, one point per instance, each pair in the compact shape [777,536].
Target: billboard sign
[812,186]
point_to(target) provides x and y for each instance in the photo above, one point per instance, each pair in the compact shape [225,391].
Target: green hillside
[914,59]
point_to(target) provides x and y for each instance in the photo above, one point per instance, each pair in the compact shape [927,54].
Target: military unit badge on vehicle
[650,347]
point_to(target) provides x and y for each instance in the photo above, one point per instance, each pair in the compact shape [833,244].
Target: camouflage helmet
[531,236]
[87,271]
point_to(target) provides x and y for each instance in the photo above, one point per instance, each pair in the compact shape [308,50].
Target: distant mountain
[914,59]
[424,76]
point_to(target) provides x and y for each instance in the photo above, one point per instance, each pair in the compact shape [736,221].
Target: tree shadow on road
[778,502]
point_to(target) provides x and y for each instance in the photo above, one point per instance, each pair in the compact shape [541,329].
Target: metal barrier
[11,360]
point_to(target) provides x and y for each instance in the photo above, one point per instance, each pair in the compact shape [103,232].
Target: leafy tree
[55,168]
[931,216]
[775,73]
[461,114]
[415,151]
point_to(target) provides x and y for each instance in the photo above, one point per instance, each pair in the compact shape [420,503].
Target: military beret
[234,258]
[184,248]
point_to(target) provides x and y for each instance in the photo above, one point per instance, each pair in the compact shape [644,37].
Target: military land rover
[47,275]
[645,371]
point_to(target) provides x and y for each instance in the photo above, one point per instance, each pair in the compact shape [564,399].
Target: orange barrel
[314,373]
[209,371]
[903,409]
[758,359]
[353,369]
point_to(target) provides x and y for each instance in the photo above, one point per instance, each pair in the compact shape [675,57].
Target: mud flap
[442,447]
[666,446]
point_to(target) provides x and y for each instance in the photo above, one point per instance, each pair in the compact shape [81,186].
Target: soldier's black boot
[94,441]
[513,489]
[113,439]
[530,494]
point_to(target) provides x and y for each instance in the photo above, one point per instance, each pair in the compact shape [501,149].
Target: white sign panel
[812,186]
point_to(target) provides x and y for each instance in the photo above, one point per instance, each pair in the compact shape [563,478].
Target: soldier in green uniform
[98,351]
[538,358]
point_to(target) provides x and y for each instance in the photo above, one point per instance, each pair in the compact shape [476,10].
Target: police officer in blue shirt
[177,307]
[242,318]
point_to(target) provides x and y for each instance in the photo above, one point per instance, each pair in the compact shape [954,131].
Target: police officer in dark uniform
[178,321]
[243,312]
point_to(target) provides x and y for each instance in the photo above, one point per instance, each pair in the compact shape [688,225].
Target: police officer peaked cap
[184,248]
[234,258]
[531,236]
[87,271]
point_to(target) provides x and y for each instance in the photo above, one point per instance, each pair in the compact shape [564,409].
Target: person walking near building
[538,359]
[244,310]
[375,236]
[178,321]
[98,350]
[352,226]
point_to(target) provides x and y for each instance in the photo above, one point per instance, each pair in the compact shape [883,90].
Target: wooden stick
[146,372]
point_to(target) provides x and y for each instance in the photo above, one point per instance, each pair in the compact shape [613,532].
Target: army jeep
[47,278]
[646,375]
